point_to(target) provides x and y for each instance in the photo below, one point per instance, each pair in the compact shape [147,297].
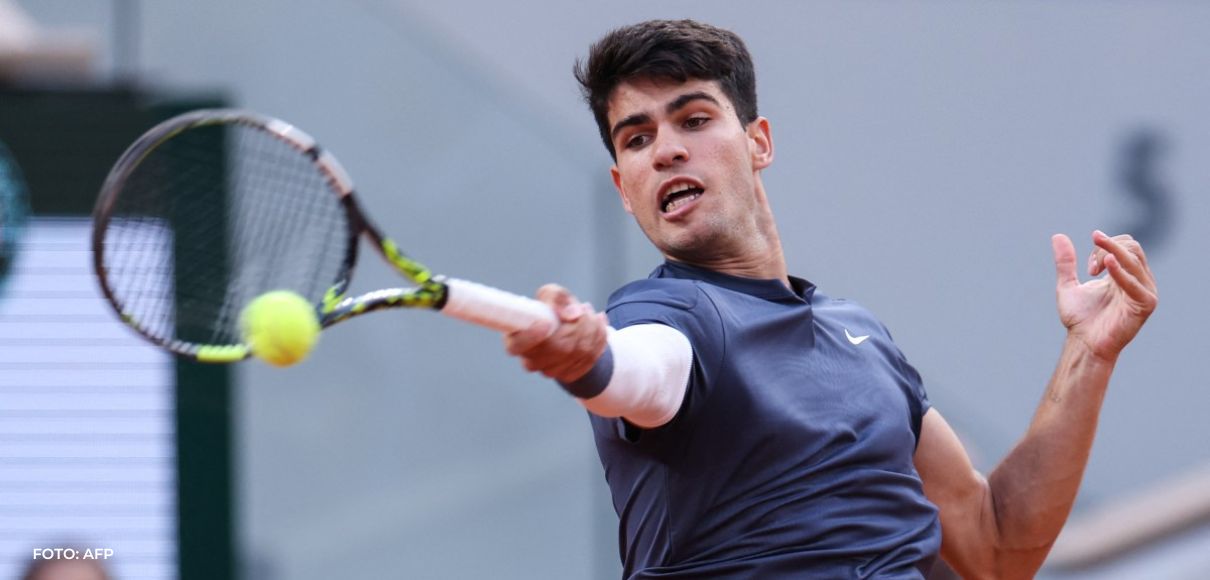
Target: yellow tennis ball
[280,327]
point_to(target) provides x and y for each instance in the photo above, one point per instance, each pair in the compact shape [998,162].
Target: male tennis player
[749,425]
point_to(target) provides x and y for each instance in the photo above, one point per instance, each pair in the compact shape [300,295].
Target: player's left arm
[1004,525]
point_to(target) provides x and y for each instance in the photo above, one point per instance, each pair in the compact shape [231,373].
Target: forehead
[71,570]
[650,96]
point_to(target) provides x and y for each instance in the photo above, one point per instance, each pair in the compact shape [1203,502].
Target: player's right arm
[639,373]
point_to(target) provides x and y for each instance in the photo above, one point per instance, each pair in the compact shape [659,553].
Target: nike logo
[855,340]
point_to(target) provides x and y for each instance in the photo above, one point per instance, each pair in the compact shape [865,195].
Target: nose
[669,151]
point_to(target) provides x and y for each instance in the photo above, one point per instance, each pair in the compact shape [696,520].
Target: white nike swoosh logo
[855,340]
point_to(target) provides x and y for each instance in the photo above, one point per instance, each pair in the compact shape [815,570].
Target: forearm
[1003,526]
[641,376]
[1032,491]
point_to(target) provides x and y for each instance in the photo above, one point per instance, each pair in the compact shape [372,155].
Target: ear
[617,184]
[760,143]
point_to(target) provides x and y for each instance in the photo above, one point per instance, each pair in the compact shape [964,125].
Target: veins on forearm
[1054,394]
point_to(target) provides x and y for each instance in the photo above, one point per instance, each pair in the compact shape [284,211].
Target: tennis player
[751,426]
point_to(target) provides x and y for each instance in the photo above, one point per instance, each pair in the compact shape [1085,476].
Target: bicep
[961,494]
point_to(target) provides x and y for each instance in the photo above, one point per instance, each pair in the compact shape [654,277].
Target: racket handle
[494,308]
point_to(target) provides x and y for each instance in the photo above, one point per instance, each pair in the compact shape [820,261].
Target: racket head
[210,209]
[14,210]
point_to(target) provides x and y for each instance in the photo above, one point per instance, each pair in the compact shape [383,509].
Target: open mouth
[678,196]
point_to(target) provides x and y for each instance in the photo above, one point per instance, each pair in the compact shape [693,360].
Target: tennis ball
[280,327]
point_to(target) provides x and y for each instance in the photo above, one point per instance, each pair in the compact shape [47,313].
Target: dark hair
[676,50]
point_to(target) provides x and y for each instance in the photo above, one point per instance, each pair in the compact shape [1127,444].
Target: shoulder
[667,292]
[681,304]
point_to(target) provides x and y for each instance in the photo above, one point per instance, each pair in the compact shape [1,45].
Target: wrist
[592,381]
[1079,346]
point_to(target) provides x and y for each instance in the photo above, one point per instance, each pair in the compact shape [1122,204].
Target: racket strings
[142,239]
[146,231]
[213,217]
[272,226]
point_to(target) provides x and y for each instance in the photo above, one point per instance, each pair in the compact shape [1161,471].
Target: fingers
[585,348]
[521,341]
[566,307]
[1096,260]
[1123,257]
[574,346]
[562,301]
[1131,285]
[1129,254]
[1065,260]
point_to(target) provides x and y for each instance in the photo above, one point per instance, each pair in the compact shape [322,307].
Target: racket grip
[494,308]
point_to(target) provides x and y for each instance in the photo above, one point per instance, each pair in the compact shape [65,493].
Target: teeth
[681,201]
[675,190]
[679,188]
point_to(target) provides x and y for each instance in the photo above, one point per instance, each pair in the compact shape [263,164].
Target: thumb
[521,341]
[1065,260]
[562,301]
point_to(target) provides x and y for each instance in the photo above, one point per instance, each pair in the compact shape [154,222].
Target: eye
[637,141]
[696,122]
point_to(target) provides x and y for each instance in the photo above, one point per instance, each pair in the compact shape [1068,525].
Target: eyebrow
[672,107]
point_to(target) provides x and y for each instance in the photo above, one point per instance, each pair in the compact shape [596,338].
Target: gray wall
[925,153]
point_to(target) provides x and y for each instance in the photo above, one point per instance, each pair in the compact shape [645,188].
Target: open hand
[1105,313]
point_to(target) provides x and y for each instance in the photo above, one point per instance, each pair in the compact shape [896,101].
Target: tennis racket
[14,209]
[210,209]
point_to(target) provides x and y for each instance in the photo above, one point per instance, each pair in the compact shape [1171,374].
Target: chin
[693,251]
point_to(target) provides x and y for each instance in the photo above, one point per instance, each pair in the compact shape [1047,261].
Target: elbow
[1020,563]
[1001,546]
[1004,564]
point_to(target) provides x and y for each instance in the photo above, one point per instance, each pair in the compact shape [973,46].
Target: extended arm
[641,376]
[639,373]
[1003,526]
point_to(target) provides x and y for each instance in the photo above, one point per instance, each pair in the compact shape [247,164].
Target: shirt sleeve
[683,306]
[642,375]
[912,384]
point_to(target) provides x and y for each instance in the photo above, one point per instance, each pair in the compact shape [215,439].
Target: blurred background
[926,151]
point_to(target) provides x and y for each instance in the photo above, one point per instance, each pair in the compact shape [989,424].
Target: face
[688,171]
[70,570]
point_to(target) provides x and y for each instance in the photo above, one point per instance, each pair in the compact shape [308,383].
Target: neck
[771,267]
[758,256]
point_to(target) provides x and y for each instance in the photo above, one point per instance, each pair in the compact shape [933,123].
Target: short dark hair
[676,50]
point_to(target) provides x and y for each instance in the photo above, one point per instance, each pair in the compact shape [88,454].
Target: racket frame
[477,303]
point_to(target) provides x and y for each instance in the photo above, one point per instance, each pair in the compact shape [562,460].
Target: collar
[768,289]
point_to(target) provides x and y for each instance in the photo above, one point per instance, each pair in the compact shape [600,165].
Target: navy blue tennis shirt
[791,455]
